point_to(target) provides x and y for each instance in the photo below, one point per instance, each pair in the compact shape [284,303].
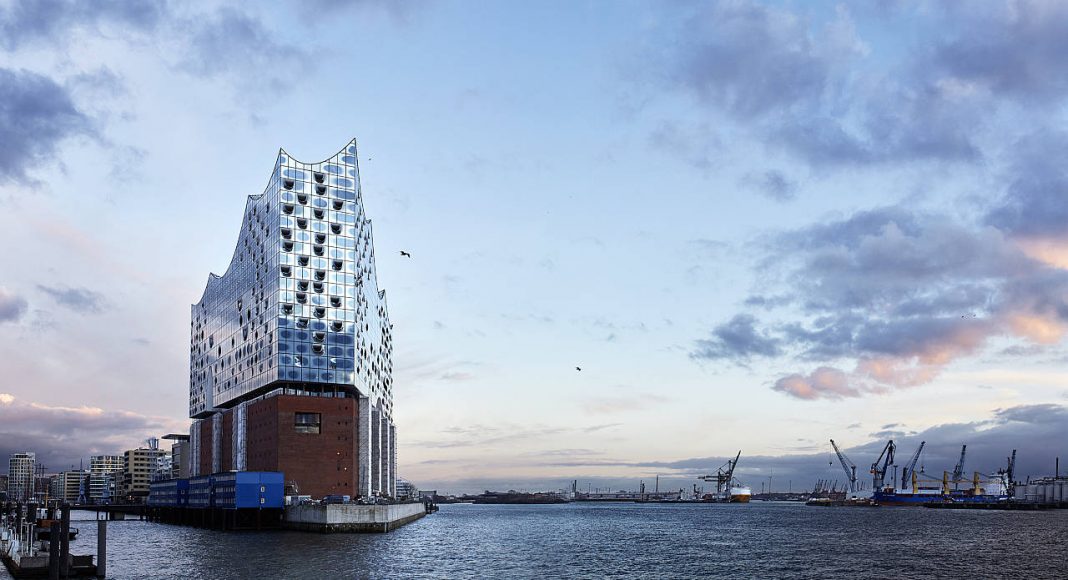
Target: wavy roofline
[342,151]
[212,276]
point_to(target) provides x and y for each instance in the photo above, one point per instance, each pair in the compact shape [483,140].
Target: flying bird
[403,253]
[578,368]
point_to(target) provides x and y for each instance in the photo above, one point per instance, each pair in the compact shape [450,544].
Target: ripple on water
[757,540]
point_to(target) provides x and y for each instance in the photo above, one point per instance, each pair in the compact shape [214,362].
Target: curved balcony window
[320,189]
[337,325]
[302,260]
[335,302]
[317,348]
[287,233]
[319,214]
[302,323]
[287,208]
[320,238]
[319,250]
[302,298]
[320,312]
[318,336]
[320,275]
[302,198]
[337,265]
[287,271]
[319,177]
[287,183]
[302,285]
[318,287]
[302,223]
[338,204]
[287,246]
[287,309]
[336,228]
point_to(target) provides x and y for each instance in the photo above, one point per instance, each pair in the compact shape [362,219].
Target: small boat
[44,532]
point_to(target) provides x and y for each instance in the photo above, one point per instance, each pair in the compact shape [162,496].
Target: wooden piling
[101,548]
[64,540]
[53,552]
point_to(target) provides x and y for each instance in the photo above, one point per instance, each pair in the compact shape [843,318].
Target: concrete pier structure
[351,517]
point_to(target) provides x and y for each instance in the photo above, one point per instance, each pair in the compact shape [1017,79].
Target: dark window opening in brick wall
[307,422]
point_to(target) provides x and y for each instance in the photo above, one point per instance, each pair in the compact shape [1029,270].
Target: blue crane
[878,472]
[849,467]
[911,466]
[958,471]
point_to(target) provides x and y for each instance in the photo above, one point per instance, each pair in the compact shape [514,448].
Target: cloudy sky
[754,226]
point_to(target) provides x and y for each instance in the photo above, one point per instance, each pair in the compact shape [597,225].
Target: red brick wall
[261,445]
[206,446]
[320,464]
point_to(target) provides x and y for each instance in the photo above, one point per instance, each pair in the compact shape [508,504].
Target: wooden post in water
[101,548]
[53,551]
[64,540]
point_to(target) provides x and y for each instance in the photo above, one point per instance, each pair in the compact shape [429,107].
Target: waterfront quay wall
[332,518]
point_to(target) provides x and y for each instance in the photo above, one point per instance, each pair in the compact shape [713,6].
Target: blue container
[168,493]
[248,490]
[163,493]
[230,490]
[181,492]
[200,492]
[272,489]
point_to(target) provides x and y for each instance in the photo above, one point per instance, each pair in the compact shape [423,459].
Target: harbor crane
[910,467]
[1008,474]
[878,472]
[724,478]
[849,467]
[958,471]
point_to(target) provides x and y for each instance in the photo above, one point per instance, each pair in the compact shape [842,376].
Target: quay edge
[351,518]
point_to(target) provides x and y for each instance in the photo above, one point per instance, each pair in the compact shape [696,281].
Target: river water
[758,540]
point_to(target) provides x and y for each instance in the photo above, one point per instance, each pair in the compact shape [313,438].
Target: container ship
[916,488]
[728,489]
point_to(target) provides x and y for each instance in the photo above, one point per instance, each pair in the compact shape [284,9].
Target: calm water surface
[759,540]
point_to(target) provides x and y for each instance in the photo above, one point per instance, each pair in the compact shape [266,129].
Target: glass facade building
[20,476]
[297,312]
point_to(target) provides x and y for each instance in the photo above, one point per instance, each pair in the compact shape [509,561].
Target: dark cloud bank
[61,436]
[1037,431]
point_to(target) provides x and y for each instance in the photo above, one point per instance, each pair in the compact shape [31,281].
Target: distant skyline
[753,225]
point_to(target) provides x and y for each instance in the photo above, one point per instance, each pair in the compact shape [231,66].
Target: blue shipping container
[231,490]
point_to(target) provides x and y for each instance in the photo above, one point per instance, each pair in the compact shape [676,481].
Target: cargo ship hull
[918,499]
[736,494]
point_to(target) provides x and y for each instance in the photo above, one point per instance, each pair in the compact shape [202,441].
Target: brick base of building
[315,464]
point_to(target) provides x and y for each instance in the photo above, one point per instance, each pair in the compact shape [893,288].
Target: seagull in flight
[578,368]
[403,253]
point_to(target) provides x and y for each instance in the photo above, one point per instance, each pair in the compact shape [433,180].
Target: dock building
[68,486]
[20,476]
[139,467]
[291,348]
[102,469]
